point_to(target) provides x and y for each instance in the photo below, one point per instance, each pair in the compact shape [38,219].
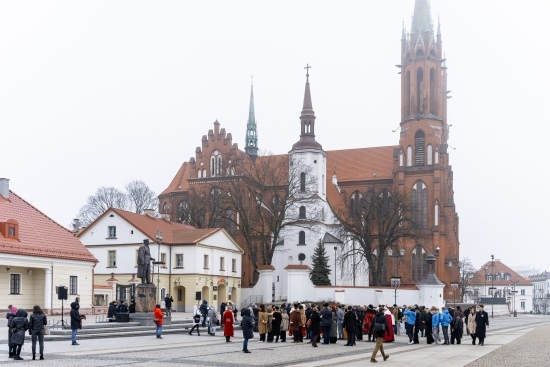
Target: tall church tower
[422,164]
[251,143]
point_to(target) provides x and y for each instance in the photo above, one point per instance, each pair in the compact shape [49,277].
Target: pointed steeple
[422,18]
[307,121]
[251,141]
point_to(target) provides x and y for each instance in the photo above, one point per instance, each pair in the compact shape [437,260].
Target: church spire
[251,142]
[307,121]
[422,18]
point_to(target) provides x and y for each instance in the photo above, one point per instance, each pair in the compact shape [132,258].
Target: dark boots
[41,356]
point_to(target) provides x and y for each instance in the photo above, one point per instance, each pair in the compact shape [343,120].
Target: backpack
[379,326]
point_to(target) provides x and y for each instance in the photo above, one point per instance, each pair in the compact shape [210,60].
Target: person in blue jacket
[411,320]
[436,321]
[445,322]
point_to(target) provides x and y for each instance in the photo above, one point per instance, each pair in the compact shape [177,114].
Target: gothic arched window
[419,158]
[436,213]
[301,238]
[357,203]
[436,156]
[302,212]
[183,212]
[420,205]
[215,164]
[419,90]
[401,159]
[430,154]
[409,156]
[384,202]
[433,94]
[418,263]
[408,94]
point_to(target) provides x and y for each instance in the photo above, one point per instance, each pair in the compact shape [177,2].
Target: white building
[196,263]
[541,292]
[37,255]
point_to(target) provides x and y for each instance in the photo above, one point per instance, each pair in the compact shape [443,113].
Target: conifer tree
[319,275]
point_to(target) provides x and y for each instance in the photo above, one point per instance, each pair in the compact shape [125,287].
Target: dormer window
[10,229]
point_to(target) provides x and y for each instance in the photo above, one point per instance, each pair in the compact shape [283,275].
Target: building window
[15,283]
[436,213]
[522,292]
[163,259]
[112,231]
[205,265]
[73,284]
[302,238]
[180,294]
[436,157]
[302,212]
[430,154]
[179,260]
[356,203]
[420,205]
[162,293]
[234,265]
[303,182]
[111,259]
[419,158]
[409,156]
[401,159]
[523,305]
[222,263]
[418,263]
[419,87]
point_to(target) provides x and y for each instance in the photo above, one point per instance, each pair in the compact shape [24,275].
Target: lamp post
[159,236]
[514,298]
[485,268]
[335,248]
[492,283]
[454,286]
[395,282]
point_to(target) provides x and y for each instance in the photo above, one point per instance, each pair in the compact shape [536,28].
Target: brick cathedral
[417,166]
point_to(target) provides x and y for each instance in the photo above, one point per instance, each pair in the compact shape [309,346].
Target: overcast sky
[99,93]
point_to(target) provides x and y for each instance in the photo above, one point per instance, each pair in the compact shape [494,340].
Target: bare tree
[467,272]
[103,199]
[372,224]
[140,197]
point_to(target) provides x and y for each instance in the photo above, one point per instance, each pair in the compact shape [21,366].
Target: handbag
[46,330]
[308,323]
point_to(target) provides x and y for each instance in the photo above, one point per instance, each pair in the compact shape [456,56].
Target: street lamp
[492,283]
[514,298]
[335,248]
[159,236]
[485,268]
[395,282]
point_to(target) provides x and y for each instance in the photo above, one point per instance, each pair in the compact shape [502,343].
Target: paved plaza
[510,342]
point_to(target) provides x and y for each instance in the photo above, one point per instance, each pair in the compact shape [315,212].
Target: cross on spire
[307,67]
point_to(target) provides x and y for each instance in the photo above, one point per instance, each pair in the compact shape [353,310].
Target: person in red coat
[158,318]
[389,335]
[228,321]
[367,323]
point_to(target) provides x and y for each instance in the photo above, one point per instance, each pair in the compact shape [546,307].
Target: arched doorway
[222,294]
[179,299]
[205,294]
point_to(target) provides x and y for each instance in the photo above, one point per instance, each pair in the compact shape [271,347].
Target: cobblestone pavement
[184,350]
[530,349]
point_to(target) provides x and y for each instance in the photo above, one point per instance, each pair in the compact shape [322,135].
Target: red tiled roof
[146,224]
[39,235]
[499,268]
[179,182]
[361,163]
[191,237]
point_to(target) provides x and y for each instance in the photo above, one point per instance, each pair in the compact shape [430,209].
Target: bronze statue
[144,263]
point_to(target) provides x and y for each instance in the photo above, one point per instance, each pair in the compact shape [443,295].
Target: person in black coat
[417,324]
[423,319]
[359,323]
[378,328]
[326,323]
[349,323]
[482,323]
[276,324]
[37,322]
[76,321]
[247,325]
[314,325]
[111,311]
[19,324]
[12,310]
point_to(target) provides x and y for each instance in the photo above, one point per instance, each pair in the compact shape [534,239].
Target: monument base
[146,296]
[146,319]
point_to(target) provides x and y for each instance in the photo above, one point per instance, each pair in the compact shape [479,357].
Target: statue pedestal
[146,298]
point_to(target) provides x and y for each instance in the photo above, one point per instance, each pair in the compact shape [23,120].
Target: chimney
[5,188]
[149,212]
[76,225]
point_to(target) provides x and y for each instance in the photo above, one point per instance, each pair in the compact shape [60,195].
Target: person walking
[314,325]
[445,322]
[196,320]
[349,324]
[204,312]
[295,323]
[262,321]
[411,321]
[212,320]
[482,323]
[37,322]
[326,322]
[457,325]
[19,324]
[379,328]
[159,320]
[168,304]
[247,325]
[228,322]
[471,324]
[12,310]
[436,321]
[276,324]
[340,314]
[76,321]
[284,324]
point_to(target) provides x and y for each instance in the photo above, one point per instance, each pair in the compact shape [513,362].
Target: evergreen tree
[319,275]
